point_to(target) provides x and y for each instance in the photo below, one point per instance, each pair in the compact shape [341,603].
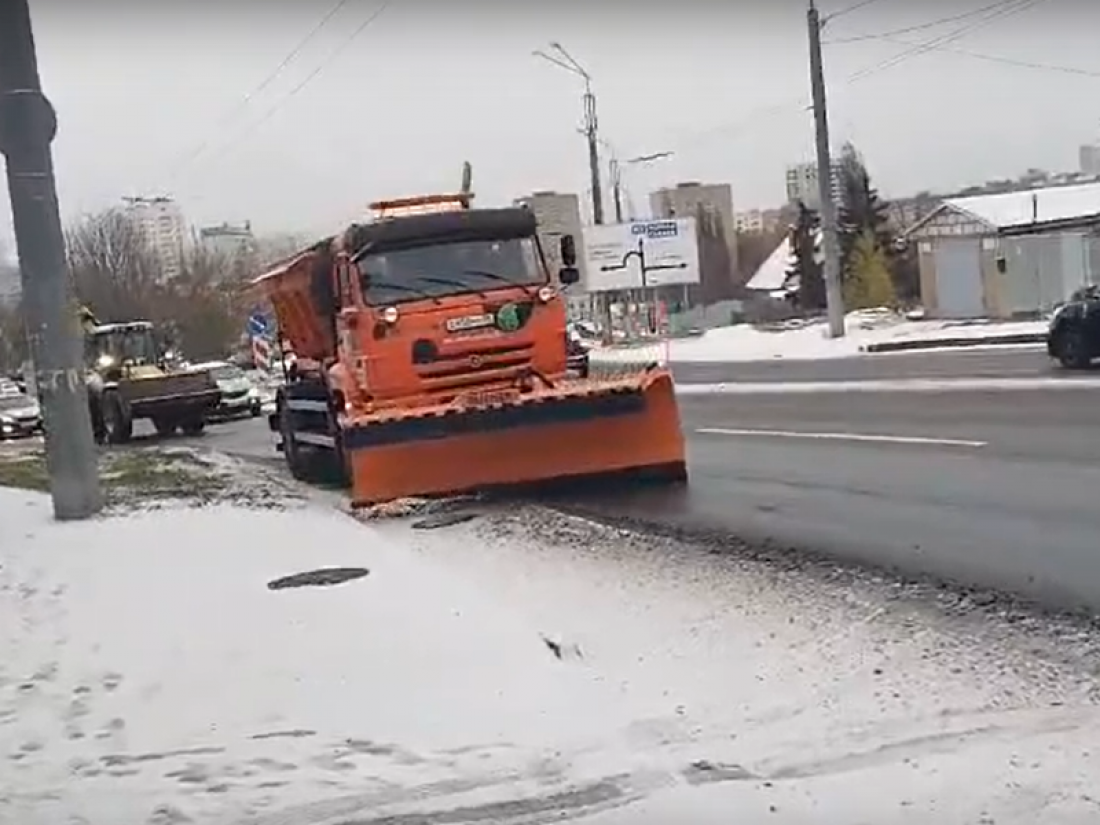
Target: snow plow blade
[580,431]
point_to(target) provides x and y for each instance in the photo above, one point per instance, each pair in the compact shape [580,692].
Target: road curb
[936,343]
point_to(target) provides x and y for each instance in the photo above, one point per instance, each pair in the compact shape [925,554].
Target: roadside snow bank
[145,663]
[799,341]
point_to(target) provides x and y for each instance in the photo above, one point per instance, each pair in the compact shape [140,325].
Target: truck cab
[436,307]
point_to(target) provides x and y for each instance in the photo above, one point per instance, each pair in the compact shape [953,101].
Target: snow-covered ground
[502,670]
[815,694]
[810,341]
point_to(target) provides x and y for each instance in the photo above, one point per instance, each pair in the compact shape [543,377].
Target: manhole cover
[438,520]
[325,577]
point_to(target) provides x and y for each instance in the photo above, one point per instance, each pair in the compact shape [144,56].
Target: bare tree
[113,269]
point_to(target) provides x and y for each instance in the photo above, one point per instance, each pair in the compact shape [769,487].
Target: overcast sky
[150,97]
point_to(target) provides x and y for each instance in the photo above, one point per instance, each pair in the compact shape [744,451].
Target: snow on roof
[1030,206]
[773,275]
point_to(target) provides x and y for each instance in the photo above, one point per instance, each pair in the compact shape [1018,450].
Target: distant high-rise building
[757,221]
[802,184]
[161,225]
[1089,155]
[229,239]
[557,213]
[687,200]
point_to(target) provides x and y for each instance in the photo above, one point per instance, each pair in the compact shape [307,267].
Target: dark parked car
[1074,332]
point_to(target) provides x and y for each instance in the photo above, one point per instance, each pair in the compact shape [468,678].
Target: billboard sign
[614,255]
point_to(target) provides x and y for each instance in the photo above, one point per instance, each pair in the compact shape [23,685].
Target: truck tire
[292,452]
[95,412]
[193,426]
[165,427]
[1072,349]
[118,424]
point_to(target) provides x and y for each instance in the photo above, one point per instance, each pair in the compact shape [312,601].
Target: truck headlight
[104,361]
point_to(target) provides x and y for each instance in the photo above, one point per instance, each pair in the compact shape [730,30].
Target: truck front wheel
[193,426]
[117,422]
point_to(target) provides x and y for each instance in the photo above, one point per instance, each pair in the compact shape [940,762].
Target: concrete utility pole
[834,298]
[28,125]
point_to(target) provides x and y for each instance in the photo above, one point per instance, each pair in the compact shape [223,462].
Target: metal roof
[775,273]
[1053,204]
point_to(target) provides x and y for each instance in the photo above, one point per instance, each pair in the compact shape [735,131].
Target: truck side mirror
[569,275]
[568,249]
[1002,264]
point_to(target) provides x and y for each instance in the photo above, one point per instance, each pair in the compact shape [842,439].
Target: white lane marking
[891,385]
[886,439]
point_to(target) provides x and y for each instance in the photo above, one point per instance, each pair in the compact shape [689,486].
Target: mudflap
[588,430]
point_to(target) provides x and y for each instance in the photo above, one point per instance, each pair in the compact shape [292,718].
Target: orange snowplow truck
[430,350]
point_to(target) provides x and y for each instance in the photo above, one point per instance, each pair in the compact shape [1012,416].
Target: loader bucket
[628,428]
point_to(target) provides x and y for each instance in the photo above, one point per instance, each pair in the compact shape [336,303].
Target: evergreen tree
[805,269]
[860,209]
[869,284]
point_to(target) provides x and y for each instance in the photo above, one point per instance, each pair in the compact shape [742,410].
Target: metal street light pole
[28,125]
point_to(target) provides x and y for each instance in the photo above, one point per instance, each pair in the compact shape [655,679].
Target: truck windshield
[136,345]
[440,270]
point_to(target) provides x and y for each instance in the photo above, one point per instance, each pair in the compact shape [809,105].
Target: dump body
[432,360]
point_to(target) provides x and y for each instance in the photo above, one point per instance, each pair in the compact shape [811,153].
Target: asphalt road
[999,489]
[986,362]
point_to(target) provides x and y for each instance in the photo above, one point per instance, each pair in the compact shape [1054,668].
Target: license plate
[469,322]
[490,398]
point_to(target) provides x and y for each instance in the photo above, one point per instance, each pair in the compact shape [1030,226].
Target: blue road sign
[257,325]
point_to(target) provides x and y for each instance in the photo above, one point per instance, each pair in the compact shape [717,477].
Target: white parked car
[239,395]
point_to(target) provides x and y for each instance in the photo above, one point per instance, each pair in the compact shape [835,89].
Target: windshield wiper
[435,279]
[484,273]
[382,282]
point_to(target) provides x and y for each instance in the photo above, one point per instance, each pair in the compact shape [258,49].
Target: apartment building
[802,184]
[757,221]
[558,213]
[1089,157]
[230,240]
[160,222]
[687,200]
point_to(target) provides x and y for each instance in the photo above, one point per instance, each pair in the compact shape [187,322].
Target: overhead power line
[324,64]
[1007,61]
[856,6]
[988,15]
[943,21]
[244,102]
[1007,9]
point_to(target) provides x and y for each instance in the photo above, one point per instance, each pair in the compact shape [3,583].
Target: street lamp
[563,60]
[615,168]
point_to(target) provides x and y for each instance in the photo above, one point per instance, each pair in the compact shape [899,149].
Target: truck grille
[469,368]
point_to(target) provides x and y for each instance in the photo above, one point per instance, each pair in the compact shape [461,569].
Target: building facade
[230,240]
[160,223]
[559,213]
[1009,255]
[1089,159]
[687,200]
[802,184]
[757,221]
